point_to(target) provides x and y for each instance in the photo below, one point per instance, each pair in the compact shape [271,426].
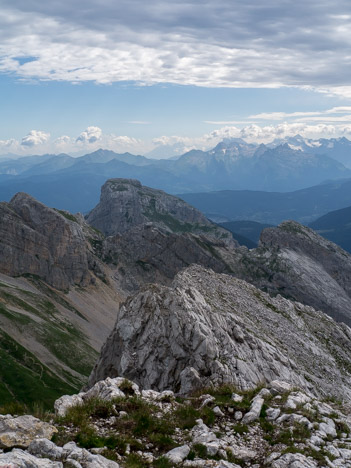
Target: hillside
[335,226]
[303,206]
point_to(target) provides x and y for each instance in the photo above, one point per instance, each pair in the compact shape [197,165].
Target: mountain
[232,164]
[56,307]
[210,329]
[303,206]
[151,235]
[296,262]
[335,226]
[61,280]
[336,148]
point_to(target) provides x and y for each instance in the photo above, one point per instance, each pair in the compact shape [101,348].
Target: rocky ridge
[41,241]
[151,235]
[293,260]
[117,424]
[209,328]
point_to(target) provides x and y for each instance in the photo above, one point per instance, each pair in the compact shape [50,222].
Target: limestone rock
[38,240]
[178,454]
[21,431]
[294,460]
[164,336]
[295,261]
[125,203]
[255,410]
[151,235]
[65,402]
[18,458]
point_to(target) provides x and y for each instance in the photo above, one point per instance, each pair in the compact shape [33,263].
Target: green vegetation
[67,215]
[25,380]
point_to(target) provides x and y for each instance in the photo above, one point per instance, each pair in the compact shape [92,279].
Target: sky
[171,75]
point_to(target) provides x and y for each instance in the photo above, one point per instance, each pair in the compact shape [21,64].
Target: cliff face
[38,240]
[293,260]
[209,328]
[152,235]
[125,203]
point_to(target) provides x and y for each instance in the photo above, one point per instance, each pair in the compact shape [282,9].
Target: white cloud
[90,135]
[94,138]
[34,138]
[204,43]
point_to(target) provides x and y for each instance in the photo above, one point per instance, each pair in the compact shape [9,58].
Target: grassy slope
[28,317]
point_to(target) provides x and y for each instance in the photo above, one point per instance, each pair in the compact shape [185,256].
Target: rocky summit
[295,261]
[209,328]
[151,235]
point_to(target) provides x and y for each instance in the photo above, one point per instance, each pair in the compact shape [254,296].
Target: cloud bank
[93,138]
[226,43]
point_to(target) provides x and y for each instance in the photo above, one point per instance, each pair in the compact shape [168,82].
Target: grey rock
[141,204]
[21,431]
[238,415]
[18,458]
[151,235]
[41,241]
[272,413]
[328,428]
[255,410]
[293,460]
[278,386]
[65,402]
[44,448]
[294,260]
[162,332]
[178,454]
[217,411]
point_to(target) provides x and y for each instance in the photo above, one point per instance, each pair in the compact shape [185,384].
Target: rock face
[125,203]
[41,241]
[295,261]
[209,328]
[152,235]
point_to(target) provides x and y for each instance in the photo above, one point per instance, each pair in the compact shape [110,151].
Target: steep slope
[56,306]
[293,260]
[125,203]
[209,328]
[42,241]
[152,235]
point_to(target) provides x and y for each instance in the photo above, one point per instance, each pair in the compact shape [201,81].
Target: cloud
[199,42]
[34,138]
[90,135]
[94,138]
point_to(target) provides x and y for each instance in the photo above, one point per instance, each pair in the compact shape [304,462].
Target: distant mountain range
[74,183]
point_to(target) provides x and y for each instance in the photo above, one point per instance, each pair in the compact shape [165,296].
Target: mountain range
[145,287]
[73,183]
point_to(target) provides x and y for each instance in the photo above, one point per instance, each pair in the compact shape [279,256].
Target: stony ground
[116,424]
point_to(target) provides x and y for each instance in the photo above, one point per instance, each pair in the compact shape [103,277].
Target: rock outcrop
[295,261]
[125,203]
[210,329]
[38,240]
[152,235]
[274,426]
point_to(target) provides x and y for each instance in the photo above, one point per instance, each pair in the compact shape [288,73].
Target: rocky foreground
[115,423]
